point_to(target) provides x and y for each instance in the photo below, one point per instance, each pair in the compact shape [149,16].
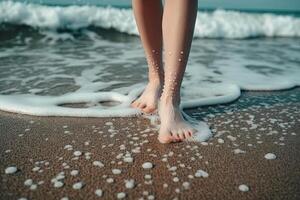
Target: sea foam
[217,24]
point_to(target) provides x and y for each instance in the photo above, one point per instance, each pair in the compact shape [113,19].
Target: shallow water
[49,62]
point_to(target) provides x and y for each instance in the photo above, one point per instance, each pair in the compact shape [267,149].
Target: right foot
[148,101]
[173,126]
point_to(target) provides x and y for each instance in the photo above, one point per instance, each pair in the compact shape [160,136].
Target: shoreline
[245,130]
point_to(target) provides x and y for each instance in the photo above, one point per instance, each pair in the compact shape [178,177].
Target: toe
[175,135]
[149,109]
[192,131]
[187,134]
[181,135]
[133,104]
[142,106]
[137,104]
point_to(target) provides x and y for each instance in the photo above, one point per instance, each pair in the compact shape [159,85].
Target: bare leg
[148,16]
[178,27]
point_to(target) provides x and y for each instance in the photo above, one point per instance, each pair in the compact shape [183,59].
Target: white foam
[33,187]
[147,165]
[129,184]
[98,163]
[74,172]
[128,159]
[243,188]
[77,153]
[186,185]
[218,24]
[78,185]
[11,170]
[28,182]
[201,173]
[99,192]
[116,171]
[58,184]
[270,156]
[121,195]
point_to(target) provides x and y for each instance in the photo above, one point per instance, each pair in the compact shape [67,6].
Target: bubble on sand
[116,171]
[11,170]
[201,173]
[78,185]
[58,184]
[270,156]
[110,180]
[238,151]
[99,192]
[28,182]
[98,163]
[33,187]
[186,185]
[77,153]
[129,184]
[147,176]
[147,165]
[121,195]
[128,159]
[74,172]
[220,141]
[243,188]
[35,169]
[68,147]
[175,179]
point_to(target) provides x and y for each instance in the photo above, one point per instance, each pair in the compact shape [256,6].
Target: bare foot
[148,101]
[173,126]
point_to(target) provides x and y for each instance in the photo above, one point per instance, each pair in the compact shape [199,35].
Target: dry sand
[256,124]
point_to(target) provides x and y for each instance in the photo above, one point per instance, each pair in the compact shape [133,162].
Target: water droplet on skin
[179,59]
[181,52]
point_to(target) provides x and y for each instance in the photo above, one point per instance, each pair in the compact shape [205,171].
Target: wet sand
[256,124]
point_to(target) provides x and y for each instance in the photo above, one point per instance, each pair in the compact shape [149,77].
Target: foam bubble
[243,188]
[78,185]
[147,165]
[77,153]
[129,184]
[99,192]
[11,170]
[201,173]
[116,171]
[270,156]
[121,195]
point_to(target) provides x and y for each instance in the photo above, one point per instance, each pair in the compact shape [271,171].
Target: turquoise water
[202,5]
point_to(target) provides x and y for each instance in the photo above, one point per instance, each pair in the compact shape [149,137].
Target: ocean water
[87,61]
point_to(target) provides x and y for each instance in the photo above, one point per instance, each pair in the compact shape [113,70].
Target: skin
[172,26]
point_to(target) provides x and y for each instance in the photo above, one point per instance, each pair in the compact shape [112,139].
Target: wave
[217,24]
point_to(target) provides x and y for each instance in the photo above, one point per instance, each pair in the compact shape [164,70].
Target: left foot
[147,102]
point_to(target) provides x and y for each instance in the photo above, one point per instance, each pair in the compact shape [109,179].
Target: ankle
[155,81]
[169,100]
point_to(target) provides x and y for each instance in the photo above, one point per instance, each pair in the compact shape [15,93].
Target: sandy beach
[244,132]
